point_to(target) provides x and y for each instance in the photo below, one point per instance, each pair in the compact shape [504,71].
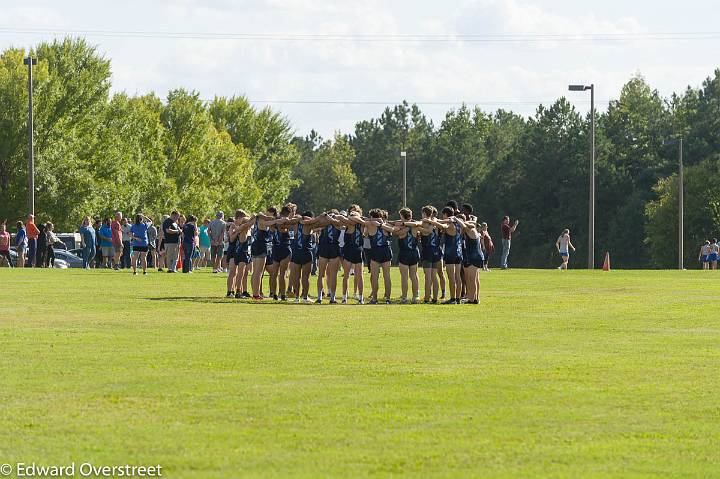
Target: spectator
[5,244]
[161,256]
[41,247]
[152,233]
[125,227]
[139,243]
[32,233]
[117,244]
[488,247]
[21,244]
[97,224]
[507,232]
[171,232]
[88,239]
[106,244]
[216,232]
[189,242]
[205,244]
[52,239]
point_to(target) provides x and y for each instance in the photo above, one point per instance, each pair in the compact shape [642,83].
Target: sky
[329,64]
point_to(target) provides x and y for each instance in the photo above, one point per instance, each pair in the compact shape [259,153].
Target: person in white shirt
[563,245]
[704,256]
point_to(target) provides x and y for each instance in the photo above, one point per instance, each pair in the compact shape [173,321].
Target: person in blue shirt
[106,246]
[21,243]
[87,237]
[139,242]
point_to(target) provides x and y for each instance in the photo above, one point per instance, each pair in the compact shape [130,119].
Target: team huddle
[283,243]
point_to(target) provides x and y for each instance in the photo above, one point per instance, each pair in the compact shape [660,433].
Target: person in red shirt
[117,243]
[5,245]
[507,232]
[32,233]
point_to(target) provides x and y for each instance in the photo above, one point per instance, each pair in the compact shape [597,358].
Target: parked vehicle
[72,260]
[59,262]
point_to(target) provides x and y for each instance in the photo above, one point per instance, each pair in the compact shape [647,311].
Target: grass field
[578,374]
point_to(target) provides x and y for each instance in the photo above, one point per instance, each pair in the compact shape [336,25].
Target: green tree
[327,180]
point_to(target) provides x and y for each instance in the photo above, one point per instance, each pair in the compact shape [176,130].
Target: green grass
[578,374]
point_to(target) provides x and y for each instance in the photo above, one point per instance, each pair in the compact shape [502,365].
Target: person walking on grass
[563,245]
[21,244]
[87,240]
[704,256]
[139,243]
[507,232]
[714,254]
[5,244]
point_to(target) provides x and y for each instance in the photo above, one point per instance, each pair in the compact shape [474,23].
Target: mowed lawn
[577,374]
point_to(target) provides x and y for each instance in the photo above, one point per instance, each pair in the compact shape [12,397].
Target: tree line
[97,152]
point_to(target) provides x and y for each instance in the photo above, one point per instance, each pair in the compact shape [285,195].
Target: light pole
[403,155]
[591,227]
[30,61]
[681,202]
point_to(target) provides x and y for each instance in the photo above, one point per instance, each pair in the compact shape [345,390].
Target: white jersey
[564,242]
[706,250]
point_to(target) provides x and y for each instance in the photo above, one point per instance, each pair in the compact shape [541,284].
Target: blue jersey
[431,246]
[453,244]
[379,239]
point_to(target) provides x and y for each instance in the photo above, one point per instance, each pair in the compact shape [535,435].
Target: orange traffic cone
[606,264]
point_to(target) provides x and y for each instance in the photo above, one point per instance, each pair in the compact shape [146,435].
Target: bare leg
[305,277]
[403,281]
[374,276]
[386,280]
[322,267]
[359,280]
[415,282]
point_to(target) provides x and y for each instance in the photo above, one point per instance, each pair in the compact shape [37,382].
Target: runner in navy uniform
[473,261]
[431,255]
[301,258]
[380,253]
[328,255]
[453,253]
[353,253]
[238,251]
[407,232]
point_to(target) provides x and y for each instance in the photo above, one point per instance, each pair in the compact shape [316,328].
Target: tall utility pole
[681,201]
[30,61]
[403,155]
[591,212]
[681,226]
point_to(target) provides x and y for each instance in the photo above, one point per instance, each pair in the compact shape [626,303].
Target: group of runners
[283,244]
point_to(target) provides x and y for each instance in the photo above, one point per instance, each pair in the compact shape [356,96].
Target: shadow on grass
[210,299]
